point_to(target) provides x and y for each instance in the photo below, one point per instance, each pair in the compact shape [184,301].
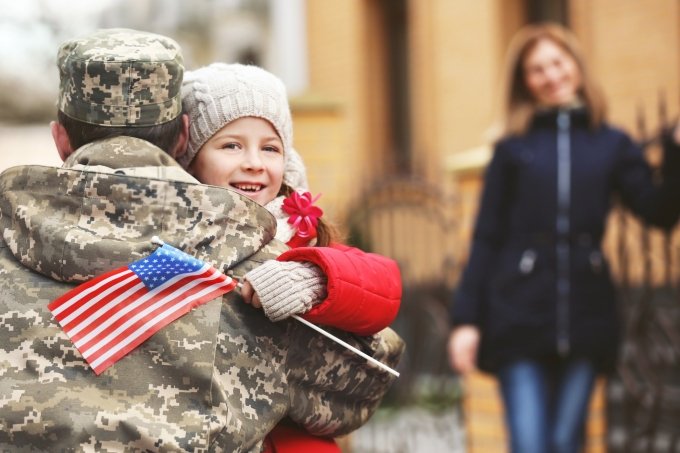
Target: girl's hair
[520,105]
[326,233]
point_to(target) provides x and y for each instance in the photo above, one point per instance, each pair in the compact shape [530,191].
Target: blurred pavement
[410,430]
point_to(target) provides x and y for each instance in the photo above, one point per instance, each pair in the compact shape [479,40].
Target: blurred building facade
[413,86]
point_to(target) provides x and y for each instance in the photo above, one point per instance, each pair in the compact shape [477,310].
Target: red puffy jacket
[364,289]
[364,294]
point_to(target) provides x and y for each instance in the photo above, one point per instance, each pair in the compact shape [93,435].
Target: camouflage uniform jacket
[217,379]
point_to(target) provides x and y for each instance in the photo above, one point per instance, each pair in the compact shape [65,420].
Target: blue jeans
[546,404]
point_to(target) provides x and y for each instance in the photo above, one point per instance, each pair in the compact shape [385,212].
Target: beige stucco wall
[320,138]
[456,50]
[336,69]
[633,48]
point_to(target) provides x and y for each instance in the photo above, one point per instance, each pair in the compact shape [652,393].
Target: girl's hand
[284,288]
[249,295]
[462,348]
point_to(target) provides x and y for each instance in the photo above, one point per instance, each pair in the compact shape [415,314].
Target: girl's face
[245,155]
[551,75]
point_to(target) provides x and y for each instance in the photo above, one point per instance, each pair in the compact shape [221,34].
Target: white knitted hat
[220,93]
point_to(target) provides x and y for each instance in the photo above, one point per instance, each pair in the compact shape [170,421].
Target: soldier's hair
[164,135]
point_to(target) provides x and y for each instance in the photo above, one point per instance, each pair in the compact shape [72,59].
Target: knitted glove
[288,288]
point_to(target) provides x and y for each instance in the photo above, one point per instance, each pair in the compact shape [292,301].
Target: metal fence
[412,222]
[643,398]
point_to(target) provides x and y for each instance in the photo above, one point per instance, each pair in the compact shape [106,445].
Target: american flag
[112,314]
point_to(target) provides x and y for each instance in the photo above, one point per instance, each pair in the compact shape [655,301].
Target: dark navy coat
[536,282]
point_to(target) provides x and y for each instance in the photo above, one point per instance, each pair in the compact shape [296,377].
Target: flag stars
[163,265]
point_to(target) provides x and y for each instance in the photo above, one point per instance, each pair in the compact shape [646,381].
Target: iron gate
[643,398]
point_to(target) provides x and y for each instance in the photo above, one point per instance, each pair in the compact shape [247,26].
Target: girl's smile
[245,155]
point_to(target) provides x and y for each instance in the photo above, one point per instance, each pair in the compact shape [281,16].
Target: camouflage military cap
[120,77]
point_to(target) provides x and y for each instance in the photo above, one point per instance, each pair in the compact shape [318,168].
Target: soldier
[217,379]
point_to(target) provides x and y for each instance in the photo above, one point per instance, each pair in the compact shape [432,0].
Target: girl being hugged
[241,138]
[536,305]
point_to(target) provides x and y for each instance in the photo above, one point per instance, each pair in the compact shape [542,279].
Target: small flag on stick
[112,314]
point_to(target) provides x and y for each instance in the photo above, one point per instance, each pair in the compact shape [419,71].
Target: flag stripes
[133,336]
[114,313]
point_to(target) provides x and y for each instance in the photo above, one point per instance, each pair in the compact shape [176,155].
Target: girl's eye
[271,149]
[231,145]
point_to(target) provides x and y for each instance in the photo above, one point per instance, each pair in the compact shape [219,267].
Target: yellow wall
[347,70]
[633,48]
[320,139]
[456,52]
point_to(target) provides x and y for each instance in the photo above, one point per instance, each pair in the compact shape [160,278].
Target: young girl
[241,138]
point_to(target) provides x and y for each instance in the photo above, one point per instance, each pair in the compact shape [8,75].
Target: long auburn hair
[326,233]
[520,106]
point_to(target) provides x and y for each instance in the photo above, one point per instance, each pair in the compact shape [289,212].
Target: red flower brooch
[303,216]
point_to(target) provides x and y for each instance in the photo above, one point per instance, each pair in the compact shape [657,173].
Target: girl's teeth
[248,188]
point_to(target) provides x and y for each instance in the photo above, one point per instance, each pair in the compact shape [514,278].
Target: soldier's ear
[183,140]
[61,140]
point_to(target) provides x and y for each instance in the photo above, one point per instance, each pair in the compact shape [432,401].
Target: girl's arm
[363,289]
[337,286]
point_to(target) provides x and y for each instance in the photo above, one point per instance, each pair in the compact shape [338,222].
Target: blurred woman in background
[536,304]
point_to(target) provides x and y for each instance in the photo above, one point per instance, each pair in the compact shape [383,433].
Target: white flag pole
[341,342]
[347,345]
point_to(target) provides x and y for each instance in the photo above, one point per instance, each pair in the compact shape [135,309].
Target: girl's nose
[252,160]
